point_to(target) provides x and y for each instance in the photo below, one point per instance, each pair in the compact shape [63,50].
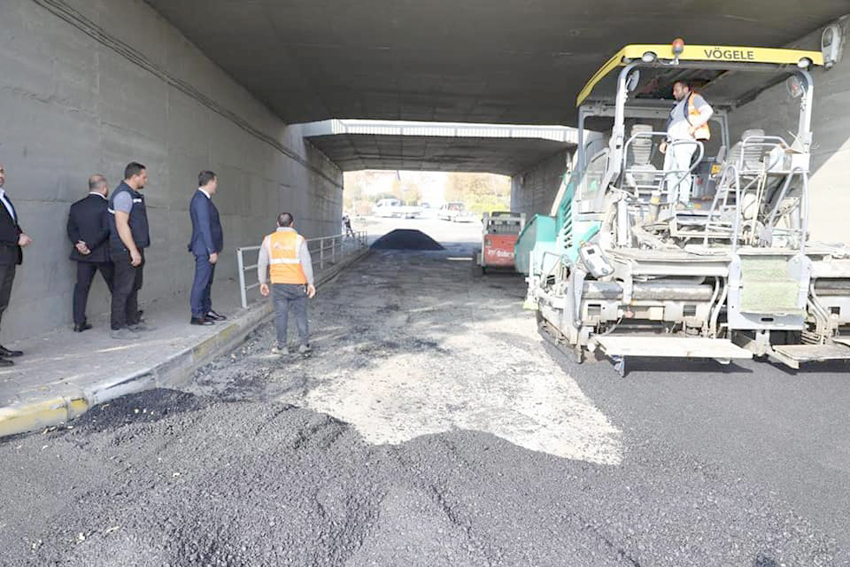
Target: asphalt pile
[406,239]
[170,479]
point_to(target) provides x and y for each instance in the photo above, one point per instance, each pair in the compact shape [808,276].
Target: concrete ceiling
[518,61]
[353,152]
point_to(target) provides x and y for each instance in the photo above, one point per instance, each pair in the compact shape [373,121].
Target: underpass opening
[445,207]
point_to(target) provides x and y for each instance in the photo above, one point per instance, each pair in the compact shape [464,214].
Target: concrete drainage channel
[169,373]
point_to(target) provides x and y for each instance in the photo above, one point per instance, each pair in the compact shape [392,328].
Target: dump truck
[617,268]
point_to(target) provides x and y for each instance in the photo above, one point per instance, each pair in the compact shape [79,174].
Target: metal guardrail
[327,250]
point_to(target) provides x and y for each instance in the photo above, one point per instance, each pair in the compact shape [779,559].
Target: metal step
[793,355]
[666,346]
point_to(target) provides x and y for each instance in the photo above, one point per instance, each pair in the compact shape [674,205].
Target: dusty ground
[433,426]
[411,343]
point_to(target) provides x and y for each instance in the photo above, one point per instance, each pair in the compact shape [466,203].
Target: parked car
[393,208]
[455,212]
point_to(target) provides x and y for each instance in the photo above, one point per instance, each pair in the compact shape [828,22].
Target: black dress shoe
[6,353]
[201,321]
[81,328]
[4,363]
[216,316]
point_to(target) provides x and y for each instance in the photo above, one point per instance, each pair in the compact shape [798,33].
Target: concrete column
[533,190]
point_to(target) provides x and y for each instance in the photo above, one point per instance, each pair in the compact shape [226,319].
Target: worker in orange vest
[284,258]
[686,126]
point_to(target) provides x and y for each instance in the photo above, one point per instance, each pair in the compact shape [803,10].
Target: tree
[411,194]
[479,192]
[396,188]
[352,195]
[363,188]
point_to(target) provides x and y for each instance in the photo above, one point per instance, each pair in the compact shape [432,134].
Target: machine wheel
[577,354]
[477,268]
[620,365]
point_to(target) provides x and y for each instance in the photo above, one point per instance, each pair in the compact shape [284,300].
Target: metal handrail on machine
[662,174]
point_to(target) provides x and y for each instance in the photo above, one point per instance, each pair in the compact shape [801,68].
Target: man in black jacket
[12,240]
[206,244]
[88,229]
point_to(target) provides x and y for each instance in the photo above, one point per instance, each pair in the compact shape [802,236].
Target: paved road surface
[434,427]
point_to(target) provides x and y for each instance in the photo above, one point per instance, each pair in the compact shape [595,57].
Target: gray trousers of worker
[677,162]
[286,297]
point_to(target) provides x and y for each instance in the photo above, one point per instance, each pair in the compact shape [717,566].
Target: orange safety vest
[283,248]
[703,132]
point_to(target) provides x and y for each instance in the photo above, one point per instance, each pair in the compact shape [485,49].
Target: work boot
[278,351]
[125,334]
[6,353]
[305,349]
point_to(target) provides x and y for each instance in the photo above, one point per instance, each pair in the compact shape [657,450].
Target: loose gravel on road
[240,468]
[166,478]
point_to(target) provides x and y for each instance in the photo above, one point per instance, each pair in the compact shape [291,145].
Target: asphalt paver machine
[619,269]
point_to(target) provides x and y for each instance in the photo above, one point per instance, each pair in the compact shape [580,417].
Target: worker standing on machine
[686,125]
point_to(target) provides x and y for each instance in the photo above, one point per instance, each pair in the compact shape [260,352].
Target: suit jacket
[87,221]
[10,231]
[207,235]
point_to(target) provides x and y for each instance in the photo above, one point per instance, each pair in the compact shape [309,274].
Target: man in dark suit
[12,240]
[206,244]
[88,229]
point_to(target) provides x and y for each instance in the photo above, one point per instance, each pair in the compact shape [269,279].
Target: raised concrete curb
[171,372]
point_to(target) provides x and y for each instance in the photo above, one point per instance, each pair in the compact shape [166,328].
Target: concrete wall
[533,191]
[776,112]
[71,105]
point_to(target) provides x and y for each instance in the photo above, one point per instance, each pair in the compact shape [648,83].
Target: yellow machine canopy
[711,58]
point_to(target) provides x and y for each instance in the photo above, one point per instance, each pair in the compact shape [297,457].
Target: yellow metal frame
[708,53]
